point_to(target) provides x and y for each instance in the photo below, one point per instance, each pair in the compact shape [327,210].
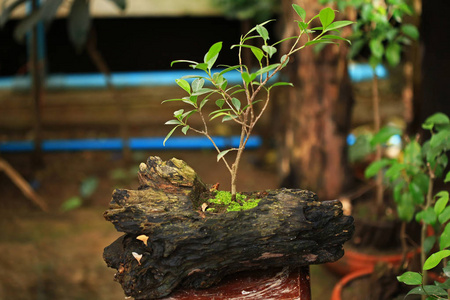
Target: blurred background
[81,86]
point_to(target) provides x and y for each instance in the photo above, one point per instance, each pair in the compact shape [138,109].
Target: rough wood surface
[196,249]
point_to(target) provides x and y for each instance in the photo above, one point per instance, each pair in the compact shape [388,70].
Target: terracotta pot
[337,290]
[353,261]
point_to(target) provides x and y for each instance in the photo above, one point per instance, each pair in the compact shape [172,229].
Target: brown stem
[423,234]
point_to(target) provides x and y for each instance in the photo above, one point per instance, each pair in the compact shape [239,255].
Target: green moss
[223,198]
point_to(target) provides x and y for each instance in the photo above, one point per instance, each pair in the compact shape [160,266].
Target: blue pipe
[136,143]
[357,73]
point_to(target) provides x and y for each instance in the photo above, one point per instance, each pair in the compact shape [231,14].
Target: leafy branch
[229,107]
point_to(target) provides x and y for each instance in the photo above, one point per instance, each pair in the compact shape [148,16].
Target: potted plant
[412,176]
[180,231]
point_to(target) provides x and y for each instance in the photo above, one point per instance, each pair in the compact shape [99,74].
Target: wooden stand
[170,241]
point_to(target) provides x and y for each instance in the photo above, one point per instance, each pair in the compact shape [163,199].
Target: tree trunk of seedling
[172,241]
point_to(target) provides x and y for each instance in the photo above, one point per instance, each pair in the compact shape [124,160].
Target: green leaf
[178,113]
[262,31]
[183,61]
[377,48]
[230,69]
[447,177]
[326,16]
[416,193]
[173,122]
[436,119]
[441,202]
[405,208]
[246,77]
[259,54]
[442,138]
[427,216]
[446,270]
[212,54]
[71,203]
[428,290]
[335,37]
[203,91]
[280,83]
[321,41]
[411,31]
[223,153]
[376,166]
[184,85]
[338,24]
[398,189]
[444,239]
[266,69]
[201,66]
[300,11]
[393,53]
[220,103]
[169,134]
[270,50]
[385,133]
[284,60]
[410,278]
[445,215]
[219,114]
[394,171]
[185,129]
[435,259]
[229,117]
[203,103]
[236,104]
[197,84]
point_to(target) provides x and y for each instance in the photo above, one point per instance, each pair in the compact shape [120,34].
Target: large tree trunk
[316,115]
[170,240]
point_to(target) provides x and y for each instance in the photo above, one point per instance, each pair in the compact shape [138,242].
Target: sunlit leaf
[410,278]
[223,153]
[300,11]
[435,259]
[184,85]
[326,16]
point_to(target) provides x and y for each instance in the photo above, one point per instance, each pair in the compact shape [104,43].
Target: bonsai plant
[179,231]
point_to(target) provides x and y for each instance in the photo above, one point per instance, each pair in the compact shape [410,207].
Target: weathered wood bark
[197,249]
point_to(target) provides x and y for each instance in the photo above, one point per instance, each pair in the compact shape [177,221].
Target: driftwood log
[170,241]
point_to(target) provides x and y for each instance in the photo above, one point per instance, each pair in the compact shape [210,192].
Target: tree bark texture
[170,241]
[315,115]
